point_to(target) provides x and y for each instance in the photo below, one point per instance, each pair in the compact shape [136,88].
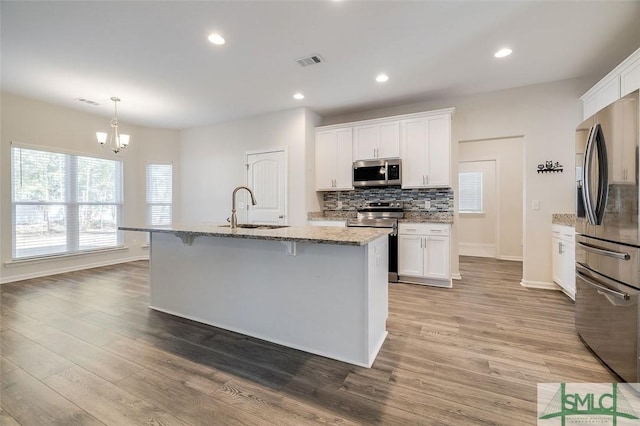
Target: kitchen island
[321,290]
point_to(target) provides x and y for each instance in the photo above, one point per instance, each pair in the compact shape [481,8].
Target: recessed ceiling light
[216,39]
[502,53]
[381,78]
[298,96]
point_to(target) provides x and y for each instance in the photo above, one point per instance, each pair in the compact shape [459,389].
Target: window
[63,203]
[159,194]
[470,190]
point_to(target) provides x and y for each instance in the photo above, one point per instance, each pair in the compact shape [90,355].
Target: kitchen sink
[256,226]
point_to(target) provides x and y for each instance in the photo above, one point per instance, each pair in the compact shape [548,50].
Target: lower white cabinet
[423,254]
[563,258]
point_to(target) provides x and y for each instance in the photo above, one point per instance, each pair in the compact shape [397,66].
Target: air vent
[87,101]
[309,60]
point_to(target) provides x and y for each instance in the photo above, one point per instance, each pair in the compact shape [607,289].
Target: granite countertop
[412,217]
[313,234]
[567,219]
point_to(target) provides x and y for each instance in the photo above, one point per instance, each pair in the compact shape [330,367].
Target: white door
[267,178]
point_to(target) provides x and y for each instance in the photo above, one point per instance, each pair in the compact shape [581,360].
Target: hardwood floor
[83,348]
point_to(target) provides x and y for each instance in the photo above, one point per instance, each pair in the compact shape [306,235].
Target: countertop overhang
[312,234]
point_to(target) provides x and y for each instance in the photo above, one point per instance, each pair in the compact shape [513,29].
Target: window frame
[148,204]
[479,190]
[70,203]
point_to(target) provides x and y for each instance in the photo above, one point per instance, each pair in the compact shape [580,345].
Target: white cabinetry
[624,79]
[423,254]
[334,159]
[425,143]
[563,258]
[376,140]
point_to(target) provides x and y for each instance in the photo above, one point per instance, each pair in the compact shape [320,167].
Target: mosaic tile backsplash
[441,198]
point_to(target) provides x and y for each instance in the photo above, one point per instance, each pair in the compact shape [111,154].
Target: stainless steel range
[382,214]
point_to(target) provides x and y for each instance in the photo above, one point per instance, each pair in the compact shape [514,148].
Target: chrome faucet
[234,219]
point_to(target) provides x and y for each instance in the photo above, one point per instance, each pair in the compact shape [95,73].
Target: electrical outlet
[339,205]
[427,204]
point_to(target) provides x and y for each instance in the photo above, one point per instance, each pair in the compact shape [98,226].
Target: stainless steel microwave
[383,172]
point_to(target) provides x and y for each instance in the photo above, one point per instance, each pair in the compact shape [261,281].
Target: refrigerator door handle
[604,252]
[586,181]
[602,288]
[603,175]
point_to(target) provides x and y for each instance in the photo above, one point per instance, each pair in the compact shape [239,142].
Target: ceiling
[156,57]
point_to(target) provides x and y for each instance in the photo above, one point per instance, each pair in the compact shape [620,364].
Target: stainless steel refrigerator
[607,235]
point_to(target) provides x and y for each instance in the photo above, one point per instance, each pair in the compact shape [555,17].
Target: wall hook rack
[550,166]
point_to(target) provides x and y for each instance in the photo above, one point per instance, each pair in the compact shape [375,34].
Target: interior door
[267,178]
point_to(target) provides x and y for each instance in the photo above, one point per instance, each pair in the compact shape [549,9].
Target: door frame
[282,149]
[496,190]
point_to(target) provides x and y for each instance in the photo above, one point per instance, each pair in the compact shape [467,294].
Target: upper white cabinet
[421,140]
[624,79]
[334,159]
[376,140]
[425,143]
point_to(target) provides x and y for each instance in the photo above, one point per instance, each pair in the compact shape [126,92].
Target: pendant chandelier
[117,141]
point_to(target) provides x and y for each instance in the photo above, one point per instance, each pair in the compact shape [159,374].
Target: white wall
[546,115]
[31,122]
[213,163]
[508,157]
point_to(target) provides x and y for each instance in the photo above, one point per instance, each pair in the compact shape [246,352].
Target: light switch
[339,205]
[535,205]
[427,204]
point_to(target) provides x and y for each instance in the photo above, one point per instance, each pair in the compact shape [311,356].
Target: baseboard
[511,258]
[477,250]
[56,271]
[539,285]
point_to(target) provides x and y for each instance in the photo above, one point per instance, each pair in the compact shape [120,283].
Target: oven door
[607,320]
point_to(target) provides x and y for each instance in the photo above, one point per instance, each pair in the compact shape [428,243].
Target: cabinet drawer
[423,228]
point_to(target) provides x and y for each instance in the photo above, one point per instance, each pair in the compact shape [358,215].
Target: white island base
[326,299]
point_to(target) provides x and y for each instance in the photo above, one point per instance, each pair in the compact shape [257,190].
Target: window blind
[159,194]
[470,191]
[63,203]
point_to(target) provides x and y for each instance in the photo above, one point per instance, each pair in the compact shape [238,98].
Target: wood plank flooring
[83,348]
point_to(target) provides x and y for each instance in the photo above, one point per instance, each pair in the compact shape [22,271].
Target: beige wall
[508,157]
[36,123]
[213,163]
[477,232]
[546,115]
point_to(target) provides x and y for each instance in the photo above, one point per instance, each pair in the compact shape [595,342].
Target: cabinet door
[365,142]
[389,140]
[436,257]
[557,262]
[410,255]
[343,162]
[569,268]
[439,151]
[414,152]
[630,78]
[326,145]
